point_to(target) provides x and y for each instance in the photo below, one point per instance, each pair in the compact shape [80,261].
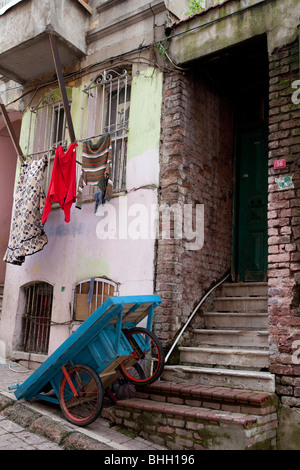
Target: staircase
[194,417]
[221,396]
[232,349]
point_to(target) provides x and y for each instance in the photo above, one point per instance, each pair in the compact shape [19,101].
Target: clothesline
[84,139]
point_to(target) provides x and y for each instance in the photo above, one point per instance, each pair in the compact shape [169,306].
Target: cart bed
[98,343]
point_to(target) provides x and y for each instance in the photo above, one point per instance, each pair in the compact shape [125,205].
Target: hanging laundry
[62,187]
[99,200]
[96,168]
[27,235]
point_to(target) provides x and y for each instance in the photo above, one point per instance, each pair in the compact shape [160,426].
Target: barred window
[37,317]
[47,129]
[107,103]
[90,294]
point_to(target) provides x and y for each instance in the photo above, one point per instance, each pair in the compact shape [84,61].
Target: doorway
[250,248]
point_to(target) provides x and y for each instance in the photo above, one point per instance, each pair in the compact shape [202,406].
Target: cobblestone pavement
[15,437]
[38,425]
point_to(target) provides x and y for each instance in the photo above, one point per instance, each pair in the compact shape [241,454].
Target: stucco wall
[75,251]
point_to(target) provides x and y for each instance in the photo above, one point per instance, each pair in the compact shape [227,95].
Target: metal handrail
[193,313]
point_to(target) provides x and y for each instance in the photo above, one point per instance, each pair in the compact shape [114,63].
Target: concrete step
[226,357]
[255,289]
[232,338]
[220,377]
[241,304]
[238,320]
[189,417]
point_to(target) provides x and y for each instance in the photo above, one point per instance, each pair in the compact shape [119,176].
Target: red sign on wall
[278,164]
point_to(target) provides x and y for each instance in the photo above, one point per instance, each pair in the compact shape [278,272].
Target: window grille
[100,290]
[47,129]
[107,103]
[37,317]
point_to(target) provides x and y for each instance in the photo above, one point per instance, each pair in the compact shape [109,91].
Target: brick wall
[284,225]
[196,168]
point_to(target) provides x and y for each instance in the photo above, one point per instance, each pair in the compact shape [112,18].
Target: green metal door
[252,196]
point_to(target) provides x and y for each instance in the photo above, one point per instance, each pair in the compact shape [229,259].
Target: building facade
[234,138]
[202,110]
[117,91]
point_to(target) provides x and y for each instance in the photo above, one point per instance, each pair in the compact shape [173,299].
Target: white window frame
[100,284]
[45,131]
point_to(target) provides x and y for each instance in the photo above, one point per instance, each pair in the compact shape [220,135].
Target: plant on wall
[195,6]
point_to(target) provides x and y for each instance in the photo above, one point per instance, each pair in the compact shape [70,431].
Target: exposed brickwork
[211,418]
[196,168]
[283,224]
[218,398]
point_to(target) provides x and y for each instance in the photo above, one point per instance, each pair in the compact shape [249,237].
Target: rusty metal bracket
[11,131]
[62,85]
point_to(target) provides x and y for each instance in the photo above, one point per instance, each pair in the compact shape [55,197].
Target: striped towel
[96,168]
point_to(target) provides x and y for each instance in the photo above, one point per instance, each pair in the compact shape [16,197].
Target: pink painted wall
[8,161]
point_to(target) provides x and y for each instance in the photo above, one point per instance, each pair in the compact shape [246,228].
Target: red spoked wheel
[81,394]
[147,352]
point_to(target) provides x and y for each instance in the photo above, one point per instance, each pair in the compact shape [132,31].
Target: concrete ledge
[217,377]
[233,23]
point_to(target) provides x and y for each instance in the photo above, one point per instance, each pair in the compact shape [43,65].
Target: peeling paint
[145,111]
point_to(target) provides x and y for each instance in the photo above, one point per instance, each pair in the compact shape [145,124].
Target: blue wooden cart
[107,345]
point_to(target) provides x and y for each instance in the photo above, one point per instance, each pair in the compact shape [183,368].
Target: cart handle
[14,387]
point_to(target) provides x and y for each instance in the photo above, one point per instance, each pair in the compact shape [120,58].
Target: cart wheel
[121,388]
[81,395]
[147,353]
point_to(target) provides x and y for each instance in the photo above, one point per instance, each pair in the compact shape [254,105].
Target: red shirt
[62,188]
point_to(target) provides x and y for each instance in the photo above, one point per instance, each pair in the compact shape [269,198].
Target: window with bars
[47,129]
[107,103]
[89,294]
[105,109]
[37,317]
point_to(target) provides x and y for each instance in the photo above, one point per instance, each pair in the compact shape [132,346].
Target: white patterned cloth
[27,235]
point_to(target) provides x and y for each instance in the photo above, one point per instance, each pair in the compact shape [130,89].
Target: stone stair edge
[221,371]
[242,297]
[262,331]
[246,314]
[224,350]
